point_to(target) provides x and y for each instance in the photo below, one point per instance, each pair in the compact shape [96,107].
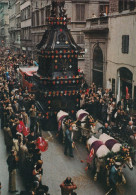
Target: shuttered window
[33,19]
[125,43]
[42,16]
[80,12]
[127,4]
[80,39]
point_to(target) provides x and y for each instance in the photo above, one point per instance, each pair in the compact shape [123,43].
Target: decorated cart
[58,80]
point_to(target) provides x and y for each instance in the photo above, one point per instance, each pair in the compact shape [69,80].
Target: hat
[18,134]
[117,164]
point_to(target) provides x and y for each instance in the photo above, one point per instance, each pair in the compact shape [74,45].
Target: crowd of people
[102,105]
[22,125]
[17,109]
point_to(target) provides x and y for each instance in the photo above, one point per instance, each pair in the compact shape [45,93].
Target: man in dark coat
[12,165]
[131,132]
[104,111]
[105,129]
[68,141]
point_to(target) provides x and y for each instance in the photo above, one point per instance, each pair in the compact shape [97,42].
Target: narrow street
[57,167]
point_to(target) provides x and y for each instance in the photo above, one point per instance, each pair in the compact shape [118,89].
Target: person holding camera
[68,186]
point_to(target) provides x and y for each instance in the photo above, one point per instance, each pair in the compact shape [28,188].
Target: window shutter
[120,5]
[82,12]
[78,39]
[82,39]
[78,12]
[125,43]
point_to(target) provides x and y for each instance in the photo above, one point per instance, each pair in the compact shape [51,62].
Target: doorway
[125,78]
[98,67]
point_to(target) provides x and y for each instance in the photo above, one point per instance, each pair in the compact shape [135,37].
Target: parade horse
[64,121]
[85,123]
[119,150]
[97,153]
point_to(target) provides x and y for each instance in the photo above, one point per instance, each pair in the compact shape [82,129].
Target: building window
[37,18]
[104,9]
[127,4]
[33,19]
[125,43]
[80,12]
[80,39]
[47,12]
[42,17]
[28,12]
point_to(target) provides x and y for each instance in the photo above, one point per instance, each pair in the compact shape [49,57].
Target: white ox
[101,152]
[87,126]
[115,147]
[110,142]
[62,117]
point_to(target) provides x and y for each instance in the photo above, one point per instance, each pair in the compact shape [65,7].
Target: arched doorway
[125,78]
[98,66]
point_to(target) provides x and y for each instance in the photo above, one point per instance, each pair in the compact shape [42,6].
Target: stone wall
[113,6]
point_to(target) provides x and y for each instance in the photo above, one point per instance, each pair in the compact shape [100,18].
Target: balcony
[97,24]
[11,29]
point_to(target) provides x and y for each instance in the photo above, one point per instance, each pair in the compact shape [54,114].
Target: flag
[127,94]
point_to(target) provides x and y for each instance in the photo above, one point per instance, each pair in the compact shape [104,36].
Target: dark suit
[105,130]
[131,130]
[68,143]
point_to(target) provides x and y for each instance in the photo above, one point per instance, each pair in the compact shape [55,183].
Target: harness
[93,149]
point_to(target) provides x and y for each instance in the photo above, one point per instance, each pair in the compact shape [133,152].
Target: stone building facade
[110,49]
[14,25]
[121,58]
[4,24]
[26,23]
[77,10]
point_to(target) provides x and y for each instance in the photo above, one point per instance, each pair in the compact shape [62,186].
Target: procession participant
[25,117]
[67,186]
[37,171]
[118,118]
[31,137]
[17,142]
[104,111]
[0,188]
[8,137]
[39,124]
[16,106]
[20,100]
[12,165]
[36,155]
[114,177]
[69,141]
[131,132]
[105,129]
[23,152]
[32,111]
